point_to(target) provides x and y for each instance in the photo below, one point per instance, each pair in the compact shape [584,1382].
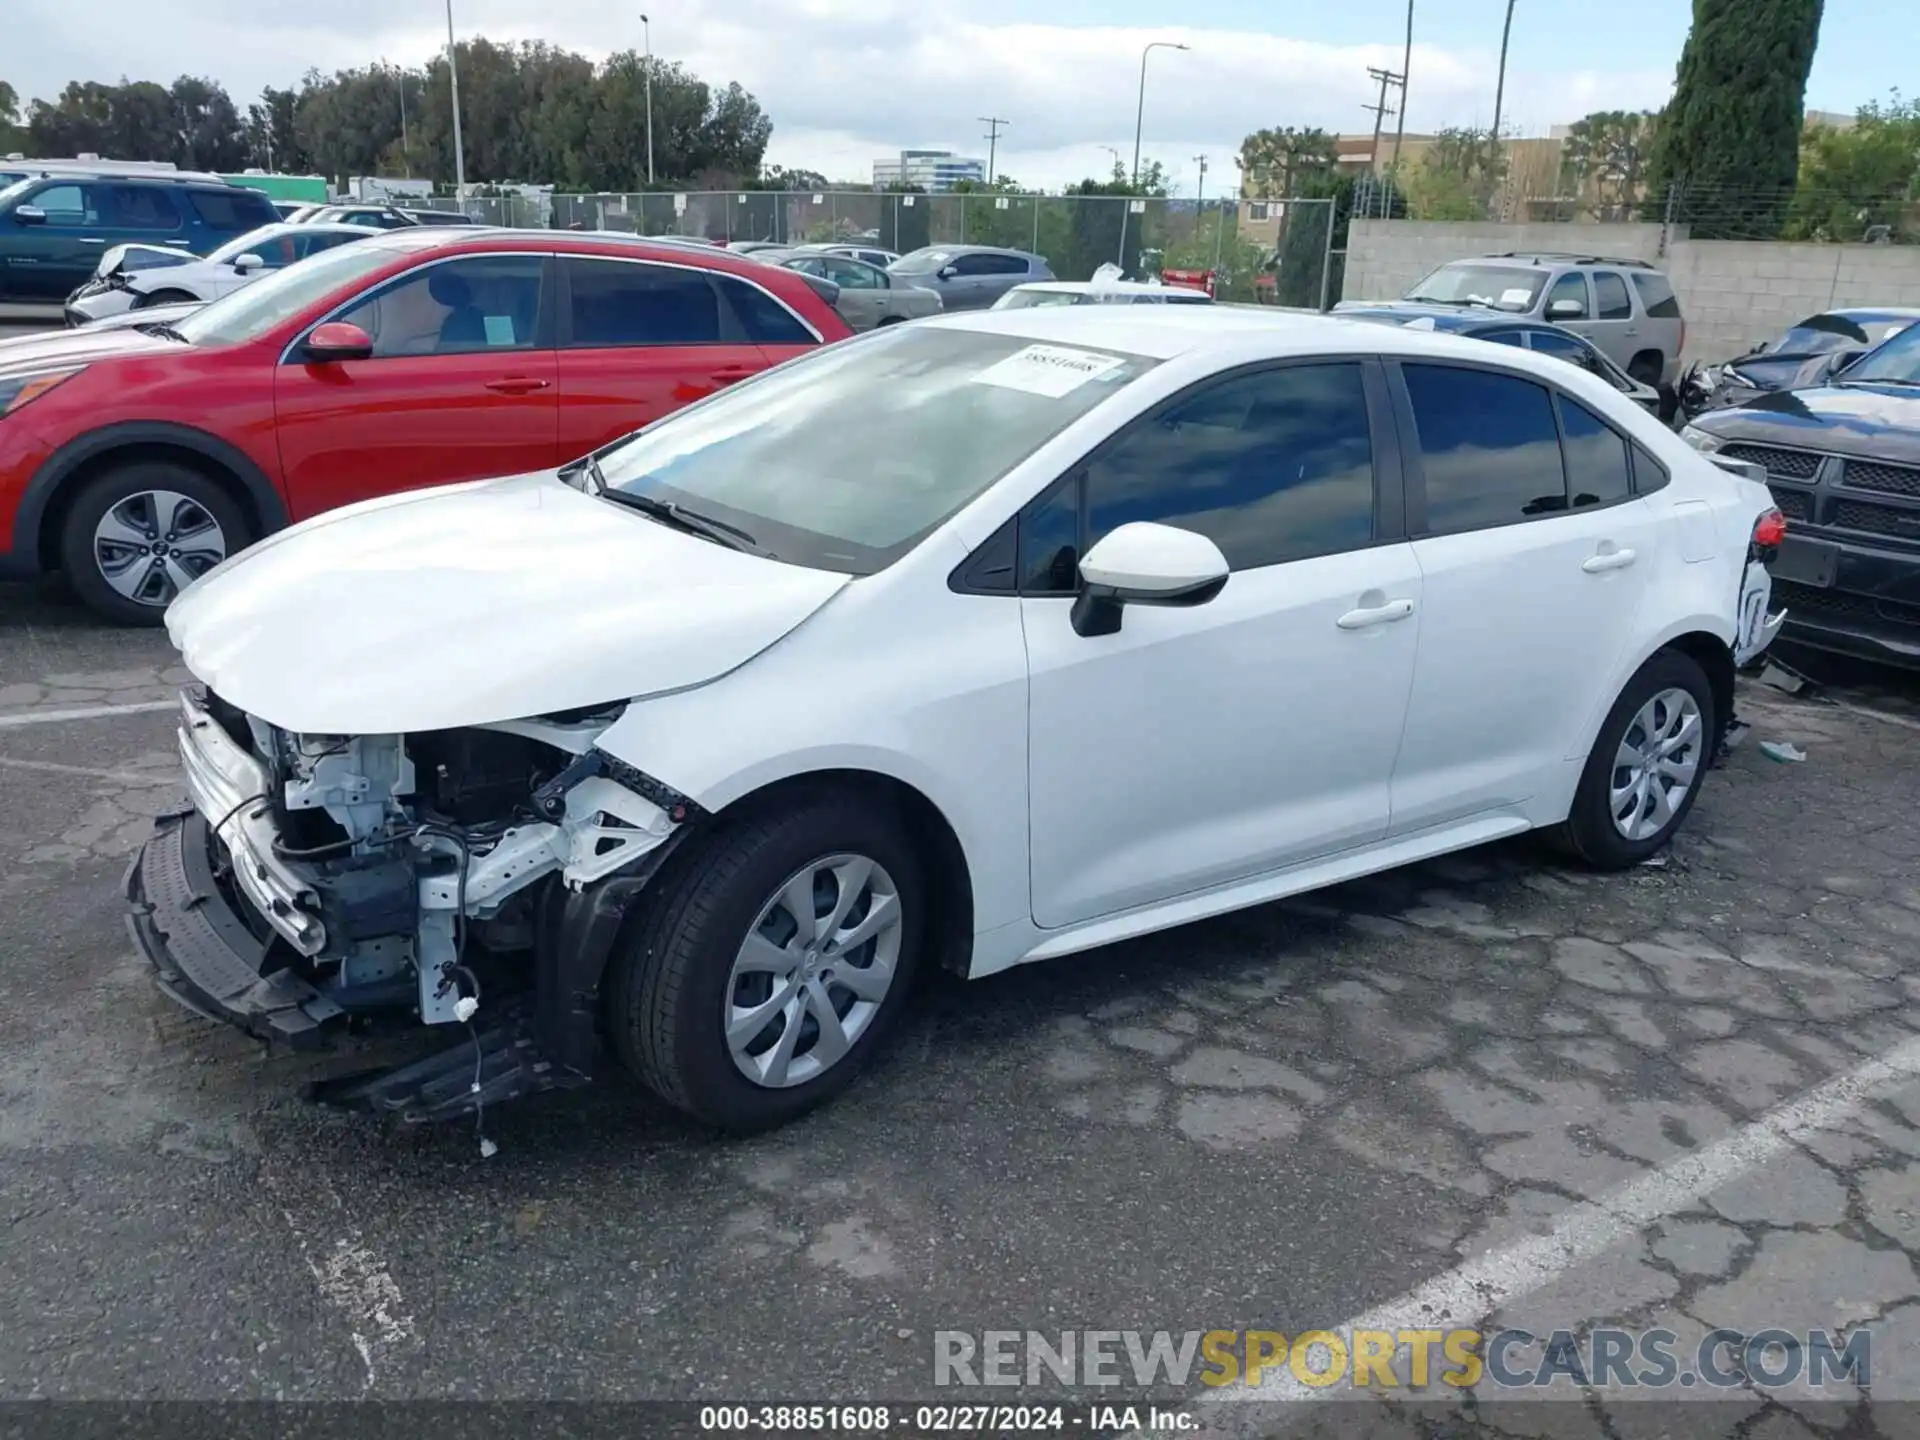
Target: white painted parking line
[1466,1295]
[87,772]
[83,712]
[1881,715]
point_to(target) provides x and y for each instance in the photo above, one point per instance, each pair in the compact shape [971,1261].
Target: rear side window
[990,265]
[137,207]
[765,320]
[1488,445]
[1656,295]
[233,208]
[618,303]
[1610,298]
[1596,456]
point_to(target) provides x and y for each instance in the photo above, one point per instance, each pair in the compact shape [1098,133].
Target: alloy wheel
[153,544]
[815,968]
[1656,765]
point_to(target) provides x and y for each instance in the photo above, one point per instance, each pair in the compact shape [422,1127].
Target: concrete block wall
[1732,292]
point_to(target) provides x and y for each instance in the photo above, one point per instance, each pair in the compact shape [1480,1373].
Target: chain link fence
[1272,252]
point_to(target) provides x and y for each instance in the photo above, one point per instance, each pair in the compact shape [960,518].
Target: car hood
[84,345]
[151,315]
[476,603]
[1877,422]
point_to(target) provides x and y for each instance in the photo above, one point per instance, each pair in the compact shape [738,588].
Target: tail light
[1769,530]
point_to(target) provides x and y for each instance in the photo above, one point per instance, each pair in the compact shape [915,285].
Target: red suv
[135,460]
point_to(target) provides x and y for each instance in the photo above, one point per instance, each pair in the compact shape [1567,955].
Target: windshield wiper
[668,512]
[165,331]
[1877,380]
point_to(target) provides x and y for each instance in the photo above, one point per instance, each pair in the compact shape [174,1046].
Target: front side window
[1610,298]
[1272,466]
[1596,456]
[846,459]
[1499,287]
[67,207]
[254,310]
[482,302]
[617,303]
[1488,445]
[1567,300]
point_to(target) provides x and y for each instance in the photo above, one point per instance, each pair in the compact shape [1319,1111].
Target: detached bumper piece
[202,952]
[498,1064]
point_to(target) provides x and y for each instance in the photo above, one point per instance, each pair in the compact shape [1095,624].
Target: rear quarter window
[1656,295]
[234,209]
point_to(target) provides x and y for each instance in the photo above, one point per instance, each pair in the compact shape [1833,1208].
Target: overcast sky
[847,81]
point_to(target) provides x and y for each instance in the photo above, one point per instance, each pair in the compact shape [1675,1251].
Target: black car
[1843,462]
[1502,329]
[1810,354]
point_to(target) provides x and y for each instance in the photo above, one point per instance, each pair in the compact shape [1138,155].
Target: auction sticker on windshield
[1521,296]
[1049,370]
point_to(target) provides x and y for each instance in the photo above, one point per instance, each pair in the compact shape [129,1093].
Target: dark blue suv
[54,228]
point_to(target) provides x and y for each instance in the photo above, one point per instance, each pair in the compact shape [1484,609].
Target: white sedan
[972,642]
[134,277]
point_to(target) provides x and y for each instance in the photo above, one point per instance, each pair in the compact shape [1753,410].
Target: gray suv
[1626,308]
[968,277]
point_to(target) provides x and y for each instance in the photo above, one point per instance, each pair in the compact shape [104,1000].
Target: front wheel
[137,536]
[1646,766]
[166,297]
[770,964]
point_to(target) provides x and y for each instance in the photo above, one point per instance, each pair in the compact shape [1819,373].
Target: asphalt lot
[1282,1119]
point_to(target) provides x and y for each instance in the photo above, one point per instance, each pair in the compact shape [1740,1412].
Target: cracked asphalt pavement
[1282,1119]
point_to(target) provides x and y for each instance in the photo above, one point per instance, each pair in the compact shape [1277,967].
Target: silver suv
[1625,307]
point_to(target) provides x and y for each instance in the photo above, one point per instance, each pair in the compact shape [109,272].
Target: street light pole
[1140,110]
[406,150]
[453,77]
[646,30]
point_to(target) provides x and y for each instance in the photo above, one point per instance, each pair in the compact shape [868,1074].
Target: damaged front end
[470,878]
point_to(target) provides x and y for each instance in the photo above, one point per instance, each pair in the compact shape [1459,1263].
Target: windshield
[13,189]
[234,249]
[848,458]
[249,313]
[1502,287]
[1896,362]
[921,262]
[1819,334]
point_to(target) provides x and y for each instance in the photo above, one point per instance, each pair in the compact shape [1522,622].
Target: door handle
[91,240]
[1375,615]
[1630,333]
[516,385]
[1607,560]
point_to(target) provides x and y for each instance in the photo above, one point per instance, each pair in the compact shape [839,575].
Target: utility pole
[1406,67]
[453,77]
[1380,110]
[646,31]
[406,150]
[994,125]
[1500,86]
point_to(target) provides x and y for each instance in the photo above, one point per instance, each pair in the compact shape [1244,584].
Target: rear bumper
[203,954]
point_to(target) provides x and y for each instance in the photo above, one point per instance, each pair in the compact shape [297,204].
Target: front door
[460,386]
[1532,571]
[47,260]
[1203,745]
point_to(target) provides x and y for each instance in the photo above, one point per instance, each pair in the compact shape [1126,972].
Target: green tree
[207,130]
[1603,161]
[272,141]
[1727,157]
[1273,161]
[12,134]
[1855,180]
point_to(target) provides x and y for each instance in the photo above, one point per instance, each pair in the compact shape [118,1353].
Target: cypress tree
[1729,144]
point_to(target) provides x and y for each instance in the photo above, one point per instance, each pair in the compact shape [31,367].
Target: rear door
[460,386]
[1613,328]
[142,214]
[1533,555]
[47,260]
[638,339]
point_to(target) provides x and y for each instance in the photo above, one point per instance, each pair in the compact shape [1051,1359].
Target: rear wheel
[1647,367]
[137,536]
[1646,766]
[771,962]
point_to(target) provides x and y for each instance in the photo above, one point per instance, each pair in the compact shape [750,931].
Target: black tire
[890,320]
[103,493]
[166,297]
[1647,367]
[668,982]
[1589,831]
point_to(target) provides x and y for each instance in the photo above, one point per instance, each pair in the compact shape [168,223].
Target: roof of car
[1164,331]
[1460,319]
[1872,313]
[1562,257]
[974,250]
[1123,287]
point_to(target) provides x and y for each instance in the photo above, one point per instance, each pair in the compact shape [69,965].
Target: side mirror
[1145,564]
[337,340]
[1566,310]
[29,215]
[247,264]
[947,272]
